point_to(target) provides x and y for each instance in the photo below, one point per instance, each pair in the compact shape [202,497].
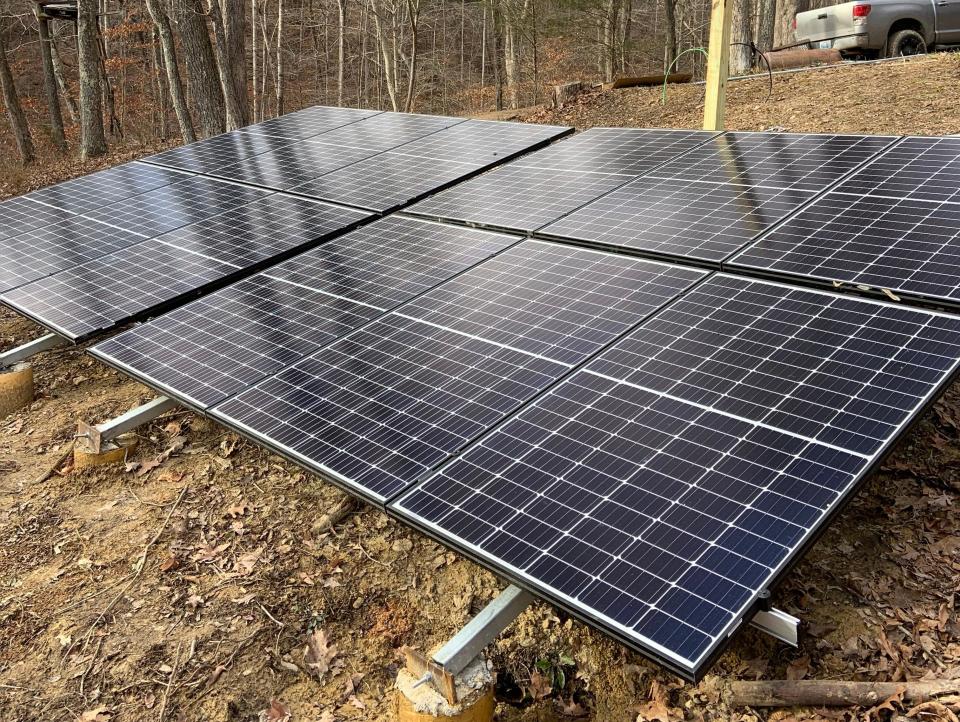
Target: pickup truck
[880,28]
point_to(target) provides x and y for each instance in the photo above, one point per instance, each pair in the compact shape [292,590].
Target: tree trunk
[669,33]
[234,21]
[786,11]
[413,16]
[92,140]
[279,57]
[11,101]
[68,100]
[162,23]
[740,37]
[232,106]
[341,39]
[159,77]
[201,66]
[610,31]
[50,83]
[766,24]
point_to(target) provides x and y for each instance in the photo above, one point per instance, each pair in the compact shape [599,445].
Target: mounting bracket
[778,624]
[30,348]
[93,437]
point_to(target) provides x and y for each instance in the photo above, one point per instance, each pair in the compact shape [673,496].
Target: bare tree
[232,101]
[174,83]
[766,24]
[50,81]
[670,33]
[341,47]
[413,21]
[786,12]
[279,88]
[11,102]
[92,140]
[205,84]
[68,98]
[740,37]
[235,34]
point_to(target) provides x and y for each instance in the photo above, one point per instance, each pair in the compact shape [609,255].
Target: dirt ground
[191,584]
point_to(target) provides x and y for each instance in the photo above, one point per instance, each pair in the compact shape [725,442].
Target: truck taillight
[861,10]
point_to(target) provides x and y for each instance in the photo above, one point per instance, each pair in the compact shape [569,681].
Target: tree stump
[16,388]
[114,451]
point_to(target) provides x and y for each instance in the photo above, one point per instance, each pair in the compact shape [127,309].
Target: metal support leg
[93,437]
[778,624]
[30,348]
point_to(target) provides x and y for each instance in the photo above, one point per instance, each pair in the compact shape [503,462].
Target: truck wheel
[905,42]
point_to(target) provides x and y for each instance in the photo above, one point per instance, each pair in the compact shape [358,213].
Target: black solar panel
[19,215]
[225,342]
[630,151]
[388,130]
[916,168]
[910,247]
[377,409]
[775,160]
[96,190]
[676,218]
[483,140]
[57,247]
[211,154]
[658,491]
[188,201]
[310,122]
[517,197]
[118,287]
[292,165]
[386,181]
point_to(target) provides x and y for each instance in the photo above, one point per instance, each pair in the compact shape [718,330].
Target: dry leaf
[238,510]
[319,653]
[147,466]
[97,714]
[276,712]
[357,702]
[798,668]
[540,686]
[228,446]
[571,708]
[327,716]
[657,709]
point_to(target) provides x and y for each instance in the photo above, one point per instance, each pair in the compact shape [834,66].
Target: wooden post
[718,56]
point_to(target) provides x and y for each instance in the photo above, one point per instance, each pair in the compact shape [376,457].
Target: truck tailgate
[825,23]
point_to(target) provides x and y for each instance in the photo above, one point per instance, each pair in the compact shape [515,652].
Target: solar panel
[916,168]
[517,197]
[56,247]
[377,409]
[225,342]
[21,214]
[145,277]
[631,151]
[659,490]
[483,140]
[910,247]
[310,122]
[388,130]
[96,190]
[678,218]
[188,201]
[293,164]
[220,151]
[775,160]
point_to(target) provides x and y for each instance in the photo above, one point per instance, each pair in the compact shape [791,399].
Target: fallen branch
[51,470]
[829,693]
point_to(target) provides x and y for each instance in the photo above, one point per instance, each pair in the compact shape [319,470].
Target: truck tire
[906,42]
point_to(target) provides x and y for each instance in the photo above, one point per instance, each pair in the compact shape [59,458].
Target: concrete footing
[16,388]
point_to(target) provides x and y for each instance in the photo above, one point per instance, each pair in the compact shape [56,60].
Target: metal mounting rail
[780,625]
[93,437]
[30,348]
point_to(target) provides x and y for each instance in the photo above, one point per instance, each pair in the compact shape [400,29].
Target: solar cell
[483,140]
[631,151]
[517,197]
[21,214]
[56,247]
[678,218]
[916,168]
[657,491]
[309,122]
[166,208]
[388,130]
[225,342]
[910,247]
[775,160]
[293,164]
[96,190]
[377,409]
[142,278]
[220,151]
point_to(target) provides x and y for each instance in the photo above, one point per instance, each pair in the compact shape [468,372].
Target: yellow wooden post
[718,64]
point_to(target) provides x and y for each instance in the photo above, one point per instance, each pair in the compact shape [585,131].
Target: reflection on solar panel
[516,197]
[388,130]
[310,122]
[220,151]
[382,406]
[775,160]
[664,218]
[293,164]
[631,151]
[543,186]
[97,295]
[659,490]
[225,342]
[188,201]
[916,168]
[90,192]
[56,247]
[19,215]
[482,140]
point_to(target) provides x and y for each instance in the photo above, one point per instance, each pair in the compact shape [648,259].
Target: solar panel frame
[654,651]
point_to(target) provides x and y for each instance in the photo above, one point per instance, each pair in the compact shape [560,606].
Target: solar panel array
[893,226]
[646,444]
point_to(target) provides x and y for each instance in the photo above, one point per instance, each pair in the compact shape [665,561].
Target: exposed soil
[187,585]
